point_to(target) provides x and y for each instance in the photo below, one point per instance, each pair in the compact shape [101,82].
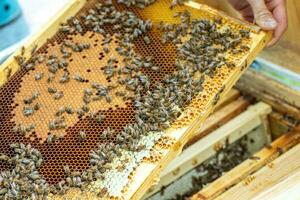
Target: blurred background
[20,19]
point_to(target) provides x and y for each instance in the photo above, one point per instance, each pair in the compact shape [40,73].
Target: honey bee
[38,76]
[78,78]
[82,136]
[34,48]
[67,170]
[51,138]
[58,95]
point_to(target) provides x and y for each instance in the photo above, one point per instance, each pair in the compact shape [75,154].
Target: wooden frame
[279,125]
[279,96]
[205,148]
[219,118]
[262,183]
[248,167]
[146,173]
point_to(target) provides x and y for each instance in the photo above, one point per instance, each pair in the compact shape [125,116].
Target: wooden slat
[262,87]
[249,166]
[219,118]
[288,188]
[232,95]
[269,176]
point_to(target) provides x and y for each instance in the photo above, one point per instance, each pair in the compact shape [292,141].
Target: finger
[247,14]
[262,15]
[249,19]
[239,5]
[281,17]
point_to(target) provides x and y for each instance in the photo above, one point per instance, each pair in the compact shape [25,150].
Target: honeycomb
[71,151]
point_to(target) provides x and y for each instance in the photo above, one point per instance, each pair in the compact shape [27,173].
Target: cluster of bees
[155,108]
[226,158]
[24,180]
[143,3]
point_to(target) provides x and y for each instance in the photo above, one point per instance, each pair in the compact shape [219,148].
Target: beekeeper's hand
[268,14]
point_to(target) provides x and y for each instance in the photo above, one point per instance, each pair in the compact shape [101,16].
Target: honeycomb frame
[175,137]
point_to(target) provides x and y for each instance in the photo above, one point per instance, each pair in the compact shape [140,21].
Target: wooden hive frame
[146,173]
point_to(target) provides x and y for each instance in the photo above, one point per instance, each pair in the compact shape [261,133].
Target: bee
[216,98]
[29,66]
[69,110]
[38,76]
[88,91]
[52,90]
[280,150]
[254,158]
[147,40]
[222,89]
[244,48]
[20,60]
[106,49]
[99,118]
[3,191]
[34,48]
[80,112]
[50,78]
[50,138]
[28,100]
[108,99]
[155,68]
[8,71]
[82,136]
[67,170]
[60,111]
[96,98]
[40,58]
[103,192]
[86,99]
[67,29]
[58,95]
[109,71]
[78,78]
[120,93]
[22,51]
[85,108]
[245,33]
[53,68]
[16,128]
[4,157]
[65,78]
[27,111]
[63,63]
[30,127]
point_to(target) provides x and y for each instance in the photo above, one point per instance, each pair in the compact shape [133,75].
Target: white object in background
[36,13]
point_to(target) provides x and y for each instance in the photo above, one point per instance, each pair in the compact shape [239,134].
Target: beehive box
[130,173]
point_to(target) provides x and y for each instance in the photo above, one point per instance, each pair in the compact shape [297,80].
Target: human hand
[268,14]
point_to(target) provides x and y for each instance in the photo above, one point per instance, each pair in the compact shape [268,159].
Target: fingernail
[270,23]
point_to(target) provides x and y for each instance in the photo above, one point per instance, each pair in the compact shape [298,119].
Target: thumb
[263,17]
